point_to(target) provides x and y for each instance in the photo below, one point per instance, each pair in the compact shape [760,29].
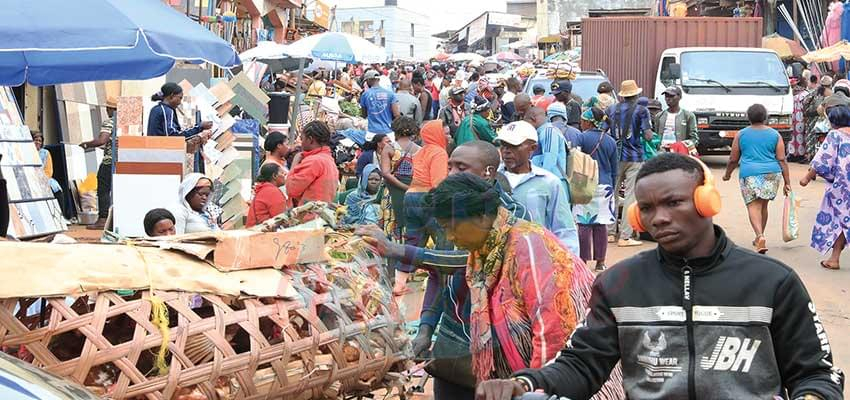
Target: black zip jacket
[734,325]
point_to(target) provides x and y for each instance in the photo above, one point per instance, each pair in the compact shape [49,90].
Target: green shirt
[479,130]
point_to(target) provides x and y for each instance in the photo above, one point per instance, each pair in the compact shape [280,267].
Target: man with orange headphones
[699,317]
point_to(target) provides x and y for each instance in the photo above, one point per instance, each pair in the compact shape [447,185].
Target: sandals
[828,266]
[760,245]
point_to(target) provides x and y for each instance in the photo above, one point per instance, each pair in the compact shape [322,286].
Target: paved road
[829,289]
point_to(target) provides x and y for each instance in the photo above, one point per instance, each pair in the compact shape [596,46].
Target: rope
[159,318]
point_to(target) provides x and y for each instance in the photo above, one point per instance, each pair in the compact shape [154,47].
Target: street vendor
[314,175]
[163,120]
[361,206]
[159,222]
[191,213]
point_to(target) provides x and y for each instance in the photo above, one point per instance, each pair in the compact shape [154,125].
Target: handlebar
[538,396]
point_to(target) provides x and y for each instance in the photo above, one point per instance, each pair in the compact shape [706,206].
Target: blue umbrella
[48,42]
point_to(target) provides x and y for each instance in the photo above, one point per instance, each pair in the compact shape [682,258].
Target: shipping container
[631,47]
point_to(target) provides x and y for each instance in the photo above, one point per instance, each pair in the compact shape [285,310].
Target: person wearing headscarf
[159,222]
[191,214]
[361,206]
[527,290]
[476,126]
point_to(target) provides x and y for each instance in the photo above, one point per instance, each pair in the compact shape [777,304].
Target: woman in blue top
[163,120]
[592,218]
[760,151]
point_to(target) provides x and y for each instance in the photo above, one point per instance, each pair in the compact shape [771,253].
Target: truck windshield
[732,68]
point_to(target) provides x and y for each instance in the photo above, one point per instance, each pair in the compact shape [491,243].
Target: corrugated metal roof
[631,47]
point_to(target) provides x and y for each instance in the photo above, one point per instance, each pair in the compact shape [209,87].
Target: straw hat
[629,88]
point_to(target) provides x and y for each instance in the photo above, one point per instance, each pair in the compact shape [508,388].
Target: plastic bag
[790,224]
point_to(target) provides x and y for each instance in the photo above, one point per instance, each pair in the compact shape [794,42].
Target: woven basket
[342,336]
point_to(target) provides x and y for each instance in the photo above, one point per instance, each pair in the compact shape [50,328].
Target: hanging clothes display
[832,27]
[845,31]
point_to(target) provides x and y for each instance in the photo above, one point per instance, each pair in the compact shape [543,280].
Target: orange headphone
[706,200]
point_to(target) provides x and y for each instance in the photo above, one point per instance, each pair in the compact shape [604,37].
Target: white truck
[720,83]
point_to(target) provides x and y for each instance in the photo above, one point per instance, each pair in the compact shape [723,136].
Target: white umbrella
[265,50]
[339,47]
[466,57]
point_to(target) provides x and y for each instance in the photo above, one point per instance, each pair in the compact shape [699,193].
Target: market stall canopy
[48,42]
[460,57]
[508,56]
[829,54]
[339,47]
[784,47]
[441,57]
[265,49]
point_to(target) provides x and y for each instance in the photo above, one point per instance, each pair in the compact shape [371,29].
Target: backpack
[583,174]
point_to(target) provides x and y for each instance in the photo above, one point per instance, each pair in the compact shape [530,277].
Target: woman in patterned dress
[527,291]
[813,114]
[832,163]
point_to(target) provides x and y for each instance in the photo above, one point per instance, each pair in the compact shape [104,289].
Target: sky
[451,14]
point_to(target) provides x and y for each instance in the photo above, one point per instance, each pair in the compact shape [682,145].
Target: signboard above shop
[503,19]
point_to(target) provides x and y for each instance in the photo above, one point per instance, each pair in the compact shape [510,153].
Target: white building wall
[396,29]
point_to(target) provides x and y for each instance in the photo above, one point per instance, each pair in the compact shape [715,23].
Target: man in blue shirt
[557,114]
[630,125]
[379,106]
[551,150]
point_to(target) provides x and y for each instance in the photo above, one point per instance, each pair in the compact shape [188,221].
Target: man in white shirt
[540,191]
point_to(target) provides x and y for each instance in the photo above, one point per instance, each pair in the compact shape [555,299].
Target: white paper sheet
[132,198]
[75,160]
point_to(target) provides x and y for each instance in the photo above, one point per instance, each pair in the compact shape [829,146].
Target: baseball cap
[557,108]
[456,91]
[562,86]
[371,74]
[673,91]
[516,133]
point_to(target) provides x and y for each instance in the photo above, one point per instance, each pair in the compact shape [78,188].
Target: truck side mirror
[675,71]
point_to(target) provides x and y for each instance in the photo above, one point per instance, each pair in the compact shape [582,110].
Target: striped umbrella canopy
[338,47]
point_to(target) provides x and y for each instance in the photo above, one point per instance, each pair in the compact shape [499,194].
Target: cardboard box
[244,249]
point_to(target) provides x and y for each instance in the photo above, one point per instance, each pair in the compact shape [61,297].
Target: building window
[366,30]
[383,41]
[412,31]
[411,50]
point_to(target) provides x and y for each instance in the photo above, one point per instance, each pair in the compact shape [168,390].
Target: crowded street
[402,200]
